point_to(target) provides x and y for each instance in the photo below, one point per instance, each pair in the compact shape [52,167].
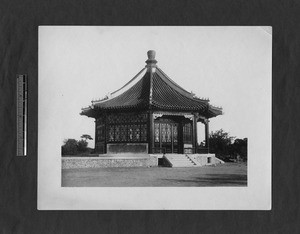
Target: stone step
[183,164]
[180,160]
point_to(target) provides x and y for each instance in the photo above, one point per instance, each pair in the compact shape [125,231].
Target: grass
[229,174]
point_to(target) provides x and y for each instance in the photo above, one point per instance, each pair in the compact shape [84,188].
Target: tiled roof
[166,96]
[213,111]
[135,97]
[157,91]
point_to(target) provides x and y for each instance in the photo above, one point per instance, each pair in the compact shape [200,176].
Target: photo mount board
[51,196]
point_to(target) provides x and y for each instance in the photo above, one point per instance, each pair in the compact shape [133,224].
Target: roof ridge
[177,87]
[183,98]
[150,87]
[166,77]
[108,98]
[126,91]
[129,81]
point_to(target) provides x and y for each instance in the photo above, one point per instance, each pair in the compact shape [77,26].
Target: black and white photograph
[154,117]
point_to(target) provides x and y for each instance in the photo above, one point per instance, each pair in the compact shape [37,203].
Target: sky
[229,65]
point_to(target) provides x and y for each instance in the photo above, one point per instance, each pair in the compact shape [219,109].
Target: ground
[229,174]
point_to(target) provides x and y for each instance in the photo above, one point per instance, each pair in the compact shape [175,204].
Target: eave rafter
[154,90]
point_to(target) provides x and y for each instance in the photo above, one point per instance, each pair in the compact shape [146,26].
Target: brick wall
[87,162]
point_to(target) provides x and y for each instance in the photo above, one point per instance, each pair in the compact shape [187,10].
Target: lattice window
[130,132]
[123,133]
[163,133]
[175,133]
[117,133]
[187,133]
[156,132]
[127,127]
[111,133]
[137,133]
[168,132]
[144,132]
[100,129]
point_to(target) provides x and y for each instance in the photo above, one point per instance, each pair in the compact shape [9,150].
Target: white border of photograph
[51,196]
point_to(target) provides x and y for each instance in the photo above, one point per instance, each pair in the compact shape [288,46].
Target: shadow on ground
[213,180]
[221,175]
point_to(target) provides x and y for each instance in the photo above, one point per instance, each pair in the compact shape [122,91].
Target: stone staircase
[179,160]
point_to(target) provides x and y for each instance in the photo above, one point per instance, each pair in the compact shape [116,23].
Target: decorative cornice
[161,113]
[155,116]
[191,117]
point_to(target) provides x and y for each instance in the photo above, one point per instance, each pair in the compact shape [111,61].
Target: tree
[82,146]
[240,148]
[73,147]
[86,137]
[227,147]
[70,147]
[220,142]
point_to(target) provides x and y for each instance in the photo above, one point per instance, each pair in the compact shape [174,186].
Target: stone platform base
[191,160]
[109,161]
[204,159]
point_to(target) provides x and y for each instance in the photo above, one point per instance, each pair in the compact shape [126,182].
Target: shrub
[82,146]
[70,147]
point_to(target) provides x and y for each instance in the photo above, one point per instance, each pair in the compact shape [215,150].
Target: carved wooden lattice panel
[166,136]
[117,132]
[111,133]
[100,129]
[168,132]
[127,127]
[163,133]
[137,132]
[175,133]
[123,133]
[143,132]
[156,132]
[130,133]
[187,133]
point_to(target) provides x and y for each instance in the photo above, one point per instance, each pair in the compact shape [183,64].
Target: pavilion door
[166,136]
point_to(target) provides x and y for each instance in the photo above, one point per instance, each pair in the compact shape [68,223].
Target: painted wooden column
[151,133]
[95,138]
[105,133]
[195,133]
[206,122]
[151,67]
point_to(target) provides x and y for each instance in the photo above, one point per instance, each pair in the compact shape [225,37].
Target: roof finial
[151,62]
